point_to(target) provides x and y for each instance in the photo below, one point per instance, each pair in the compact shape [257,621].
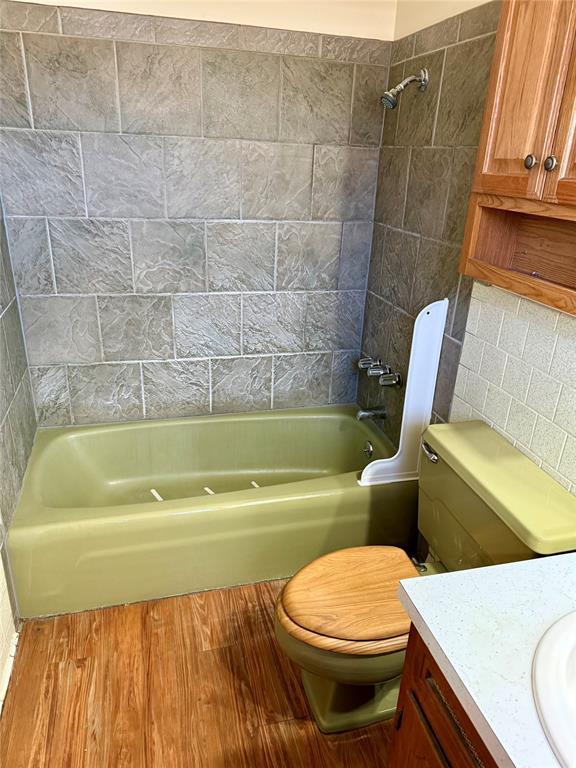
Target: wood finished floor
[176,683]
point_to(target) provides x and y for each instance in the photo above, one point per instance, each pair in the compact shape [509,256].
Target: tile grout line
[51,257]
[26,81]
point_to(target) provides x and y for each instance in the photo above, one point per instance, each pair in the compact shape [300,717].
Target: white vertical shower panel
[420,385]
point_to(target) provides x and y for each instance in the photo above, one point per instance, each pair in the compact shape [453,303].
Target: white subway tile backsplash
[522,381]
[543,394]
[548,441]
[521,422]
[493,364]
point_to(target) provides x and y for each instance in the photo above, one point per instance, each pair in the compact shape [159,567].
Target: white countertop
[482,627]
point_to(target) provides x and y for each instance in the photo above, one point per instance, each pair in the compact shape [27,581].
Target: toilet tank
[482,502]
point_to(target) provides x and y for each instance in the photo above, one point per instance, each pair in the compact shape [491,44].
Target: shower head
[390,98]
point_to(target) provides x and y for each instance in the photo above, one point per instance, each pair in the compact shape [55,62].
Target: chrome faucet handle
[367,362]
[390,379]
[376,370]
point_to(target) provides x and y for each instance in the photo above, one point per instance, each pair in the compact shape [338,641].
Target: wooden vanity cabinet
[521,226]
[431,729]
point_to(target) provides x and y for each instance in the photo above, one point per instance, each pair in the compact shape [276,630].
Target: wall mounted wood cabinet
[521,227]
[431,729]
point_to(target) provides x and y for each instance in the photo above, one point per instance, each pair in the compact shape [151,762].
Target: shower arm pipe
[407,80]
[420,386]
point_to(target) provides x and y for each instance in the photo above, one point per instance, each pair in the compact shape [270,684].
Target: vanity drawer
[425,689]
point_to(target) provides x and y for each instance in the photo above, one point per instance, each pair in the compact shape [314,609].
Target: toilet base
[339,707]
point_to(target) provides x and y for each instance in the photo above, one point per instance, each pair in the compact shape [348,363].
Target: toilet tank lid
[537,508]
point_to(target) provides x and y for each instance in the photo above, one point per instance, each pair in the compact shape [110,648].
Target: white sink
[554,687]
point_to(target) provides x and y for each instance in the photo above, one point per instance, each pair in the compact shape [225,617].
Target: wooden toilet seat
[346,601]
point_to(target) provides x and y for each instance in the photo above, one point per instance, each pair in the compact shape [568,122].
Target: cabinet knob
[551,162]
[530,161]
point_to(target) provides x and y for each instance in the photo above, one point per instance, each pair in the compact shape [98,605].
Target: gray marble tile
[202,178]
[13,97]
[61,329]
[436,274]
[285,41]
[400,331]
[207,325]
[376,334]
[72,83]
[159,89]
[355,255]
[402,49]
[15,343]
[91,256]
[240,256]
[241,384]
[124,175]
[302,380]
[308,256]
[41,174]
[344,183]
[399,257]
[7,387]
[51,396]
[358,49]
[334,320]
[169,256]
[274,322]
[29,17]
[7,289]
[377,254]
[23,425]
[201,33]
[100,393]
[447,370]
[276,181]
[437,36]
[344,383]
[30,253]
[9,471]
[428,186]
[461,177]
[315,101]
[395,76]
[367,110]
[10,485]
[417,109]
[240,92]
[176,388]
[136,327]
[460,314]
[480,20]
[392,181]
[464,85]
[86,22]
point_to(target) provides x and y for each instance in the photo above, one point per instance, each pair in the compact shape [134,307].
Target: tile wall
[518,373]
[426,165]
[189,209]
[17,428]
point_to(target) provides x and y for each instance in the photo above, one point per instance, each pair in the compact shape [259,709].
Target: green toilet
[481,502]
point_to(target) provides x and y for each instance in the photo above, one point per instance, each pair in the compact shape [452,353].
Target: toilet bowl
[339,618]
[340,621]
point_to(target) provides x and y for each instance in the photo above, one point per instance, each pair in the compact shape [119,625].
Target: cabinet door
[415,746]
[561,179]
[528,74]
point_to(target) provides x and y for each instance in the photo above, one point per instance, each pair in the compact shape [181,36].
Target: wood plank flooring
[185,682]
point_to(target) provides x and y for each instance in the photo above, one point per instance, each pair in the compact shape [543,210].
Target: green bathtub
[245,497]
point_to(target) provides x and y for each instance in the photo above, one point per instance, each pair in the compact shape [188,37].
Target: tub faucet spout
[371,413]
